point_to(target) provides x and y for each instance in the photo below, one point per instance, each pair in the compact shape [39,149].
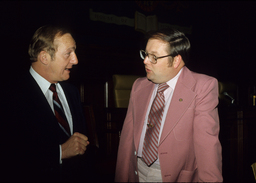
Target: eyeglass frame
[155,57]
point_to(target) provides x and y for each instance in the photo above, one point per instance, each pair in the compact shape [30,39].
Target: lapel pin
[180,99]
[150,125]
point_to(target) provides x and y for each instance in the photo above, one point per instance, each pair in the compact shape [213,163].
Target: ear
[43,57]
[177,61]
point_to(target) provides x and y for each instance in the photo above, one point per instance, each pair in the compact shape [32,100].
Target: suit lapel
[181,100]
[141,101]
[73,101]
[39,101]
[70,101]
[38,109]
[68,97]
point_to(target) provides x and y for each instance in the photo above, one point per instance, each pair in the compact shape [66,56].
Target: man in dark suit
[36,146]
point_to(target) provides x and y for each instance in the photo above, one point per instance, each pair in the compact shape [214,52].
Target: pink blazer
[189,148]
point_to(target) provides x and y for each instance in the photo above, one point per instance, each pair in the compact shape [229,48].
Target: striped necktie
[149,152]
[59,112]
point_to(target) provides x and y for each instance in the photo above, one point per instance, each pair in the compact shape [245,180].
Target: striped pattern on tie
[59,112]
[149,152]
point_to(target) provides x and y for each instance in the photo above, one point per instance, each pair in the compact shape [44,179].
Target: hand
[75,145]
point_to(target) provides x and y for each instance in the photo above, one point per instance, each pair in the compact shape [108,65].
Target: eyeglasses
[152,58]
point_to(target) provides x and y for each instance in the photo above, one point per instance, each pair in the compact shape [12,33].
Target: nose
[74,59]
[146,60]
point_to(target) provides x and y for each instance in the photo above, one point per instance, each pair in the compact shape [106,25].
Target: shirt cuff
[60,155]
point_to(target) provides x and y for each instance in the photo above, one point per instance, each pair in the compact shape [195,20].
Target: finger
[81,150]
[80,135]
[79,143]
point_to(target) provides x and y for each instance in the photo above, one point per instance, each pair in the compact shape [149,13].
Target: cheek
[161,71]
[62,67]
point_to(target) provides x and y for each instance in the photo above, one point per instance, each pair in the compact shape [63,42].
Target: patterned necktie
[59,112]
[149,152]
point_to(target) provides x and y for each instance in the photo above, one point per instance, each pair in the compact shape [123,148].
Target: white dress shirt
[44,85]
[168,97]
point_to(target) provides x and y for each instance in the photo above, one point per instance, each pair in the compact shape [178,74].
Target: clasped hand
[75,145]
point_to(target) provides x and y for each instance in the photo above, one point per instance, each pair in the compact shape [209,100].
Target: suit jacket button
[136,173]
[135,153]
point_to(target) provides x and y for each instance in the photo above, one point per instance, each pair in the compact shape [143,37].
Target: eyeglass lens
[144,54]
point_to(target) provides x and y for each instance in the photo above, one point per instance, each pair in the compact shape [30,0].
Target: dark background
[222,38]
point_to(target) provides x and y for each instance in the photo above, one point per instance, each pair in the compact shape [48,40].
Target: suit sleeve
[206,133]
[125,145]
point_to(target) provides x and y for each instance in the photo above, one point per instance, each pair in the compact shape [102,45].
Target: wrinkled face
[65,57]
[162,71]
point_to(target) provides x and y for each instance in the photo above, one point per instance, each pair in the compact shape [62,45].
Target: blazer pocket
[186,176]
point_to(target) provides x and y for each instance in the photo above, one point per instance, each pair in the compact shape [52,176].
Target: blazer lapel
[181,100]
[141,102]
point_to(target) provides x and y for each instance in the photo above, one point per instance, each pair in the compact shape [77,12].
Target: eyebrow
[152,53]
[71,48]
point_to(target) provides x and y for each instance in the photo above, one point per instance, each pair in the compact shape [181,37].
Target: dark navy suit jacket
[31,134]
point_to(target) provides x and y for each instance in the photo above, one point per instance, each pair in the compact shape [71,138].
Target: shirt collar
[172,82]
[42,82]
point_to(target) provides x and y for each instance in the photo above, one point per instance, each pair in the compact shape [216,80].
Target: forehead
[156,45]
[65,41]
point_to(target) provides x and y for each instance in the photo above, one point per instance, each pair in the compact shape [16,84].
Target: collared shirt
[44,86]
[168,93]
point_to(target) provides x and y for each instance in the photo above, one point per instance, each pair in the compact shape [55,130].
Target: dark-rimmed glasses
[152,58]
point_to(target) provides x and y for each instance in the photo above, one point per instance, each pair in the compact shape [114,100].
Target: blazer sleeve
[125,145]
[206,131]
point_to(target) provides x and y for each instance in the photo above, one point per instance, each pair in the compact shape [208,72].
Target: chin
[149,77]
[152,80]
[65,78]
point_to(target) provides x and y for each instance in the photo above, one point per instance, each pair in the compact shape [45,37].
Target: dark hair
[43,39]
[179,43]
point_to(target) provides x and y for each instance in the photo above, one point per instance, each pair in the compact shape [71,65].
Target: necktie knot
[162,87]
[53,88]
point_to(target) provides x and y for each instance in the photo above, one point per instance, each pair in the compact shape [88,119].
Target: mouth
[68,69]
[147,70]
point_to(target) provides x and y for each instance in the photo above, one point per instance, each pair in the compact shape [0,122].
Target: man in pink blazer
[188,148]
